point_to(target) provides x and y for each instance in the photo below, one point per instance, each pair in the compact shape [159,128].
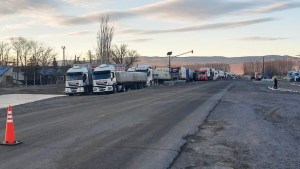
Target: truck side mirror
[84,77]
[112,75]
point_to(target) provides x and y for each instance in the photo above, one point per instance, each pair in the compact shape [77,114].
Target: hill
[160,61]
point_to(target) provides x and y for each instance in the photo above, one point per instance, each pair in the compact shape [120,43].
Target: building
[6,75]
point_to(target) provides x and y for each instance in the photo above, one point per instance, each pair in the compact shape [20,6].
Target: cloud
[16,26]
[10,7]
[183,10]
[50,13]
[168,9]
[225,25]
[92,17]
[135,40]
[257,38]
[192,9]
[78,33]
[277,6]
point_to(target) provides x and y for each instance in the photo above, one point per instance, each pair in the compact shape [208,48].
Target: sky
[228,28]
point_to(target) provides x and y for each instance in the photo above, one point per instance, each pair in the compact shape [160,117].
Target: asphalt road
[252,127]
[136,129]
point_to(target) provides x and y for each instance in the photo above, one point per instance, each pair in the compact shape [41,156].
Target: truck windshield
[145,71]
[202,73]
[74,76]
[101,74]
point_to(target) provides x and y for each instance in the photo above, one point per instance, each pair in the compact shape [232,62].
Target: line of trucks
[293,76]
[110,78]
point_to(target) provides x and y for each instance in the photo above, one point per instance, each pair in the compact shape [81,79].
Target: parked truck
[147,69]
[160,75]
[107,79]
[78,80]
[293,75]
[178,73]
[190,75]
[204,74]
[221,74]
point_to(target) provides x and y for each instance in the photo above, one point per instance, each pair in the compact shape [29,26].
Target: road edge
[199,119]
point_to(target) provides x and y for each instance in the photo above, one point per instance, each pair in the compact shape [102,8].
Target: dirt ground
[252,127]
[43,89]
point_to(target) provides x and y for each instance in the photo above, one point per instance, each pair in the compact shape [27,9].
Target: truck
[108,79]
[221,74]
[178,73]
[204,74]
[160,75]
[147,69]
[190,74]
[78,80]
[293,75]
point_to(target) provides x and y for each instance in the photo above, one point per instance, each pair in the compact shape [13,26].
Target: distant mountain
[160,61]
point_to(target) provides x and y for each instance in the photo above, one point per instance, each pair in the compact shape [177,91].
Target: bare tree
[119,53]
[90,56]
[4,53]
[122,55]
[23,48]
[104,39]
[131,57]
[277,67]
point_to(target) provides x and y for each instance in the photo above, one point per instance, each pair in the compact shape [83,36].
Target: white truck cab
[104,79]
[78,80]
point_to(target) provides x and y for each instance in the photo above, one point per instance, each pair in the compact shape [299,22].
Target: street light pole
[63,48]
[263,71]
[184,53]
[169,54]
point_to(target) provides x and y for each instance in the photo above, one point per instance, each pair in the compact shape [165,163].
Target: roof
[4,69]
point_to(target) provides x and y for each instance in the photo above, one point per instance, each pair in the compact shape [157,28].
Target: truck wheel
[114,89]
[141,86]
[70,94]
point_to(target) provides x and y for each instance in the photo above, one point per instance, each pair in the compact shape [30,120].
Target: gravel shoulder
[252,127]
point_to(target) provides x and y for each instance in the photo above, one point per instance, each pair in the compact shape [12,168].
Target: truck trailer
[147,69]
[107,79]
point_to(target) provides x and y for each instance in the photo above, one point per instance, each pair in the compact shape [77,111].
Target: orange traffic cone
[10,137]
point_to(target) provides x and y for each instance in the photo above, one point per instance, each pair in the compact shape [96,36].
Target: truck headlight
[66,89]
[81,89]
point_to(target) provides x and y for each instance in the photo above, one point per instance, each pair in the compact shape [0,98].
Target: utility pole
[90,56]
[63,48]
[17,67]
[263,69]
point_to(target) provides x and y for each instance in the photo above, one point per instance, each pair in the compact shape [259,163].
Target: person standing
[275,83]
